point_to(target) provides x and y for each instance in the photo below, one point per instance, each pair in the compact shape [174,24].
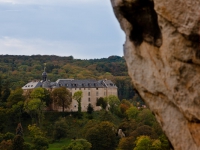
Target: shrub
[8,136]
[40,143]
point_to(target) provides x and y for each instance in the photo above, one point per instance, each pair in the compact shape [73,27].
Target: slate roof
[71,83]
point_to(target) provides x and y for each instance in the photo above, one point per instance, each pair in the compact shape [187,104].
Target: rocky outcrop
[162,51]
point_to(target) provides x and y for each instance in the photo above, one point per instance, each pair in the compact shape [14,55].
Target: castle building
[92,90]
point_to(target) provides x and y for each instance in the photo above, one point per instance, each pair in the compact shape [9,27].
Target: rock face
[162,51]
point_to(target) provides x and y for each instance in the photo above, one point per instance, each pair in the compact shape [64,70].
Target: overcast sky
[82,28]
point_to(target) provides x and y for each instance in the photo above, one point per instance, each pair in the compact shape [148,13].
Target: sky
[84,29]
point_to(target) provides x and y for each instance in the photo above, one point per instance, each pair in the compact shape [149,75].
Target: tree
[143,143]
[146,117]
[102,136]
[126,143]
[124,106]
[113,102]
[132,112]
[60,129]
[78,96]
[15,97]
[101,102]
[42,94]
[62,97]
[35,108]
[78,144]
[90,109]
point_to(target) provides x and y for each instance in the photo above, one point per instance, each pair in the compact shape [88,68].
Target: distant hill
[18,70]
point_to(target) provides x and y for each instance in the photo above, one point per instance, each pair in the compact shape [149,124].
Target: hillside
[18,70]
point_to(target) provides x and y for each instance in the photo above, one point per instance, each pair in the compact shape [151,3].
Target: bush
[6,145]
[27,146]
[79,144]
[8,136]
[40,143]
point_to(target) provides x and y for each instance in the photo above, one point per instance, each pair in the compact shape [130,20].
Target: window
[79,88]
[88,93]
[31,85]
[97,93]
[96,88]
[89,99]
[88,88]
[75,88]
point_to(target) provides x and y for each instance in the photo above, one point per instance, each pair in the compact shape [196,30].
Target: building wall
[90,95]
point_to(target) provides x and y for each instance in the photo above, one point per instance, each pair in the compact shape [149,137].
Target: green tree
[15,97]
[35,108]
[78,144]
[90,109]
[102,136]
[78,96]
[60,129]
[143,143]
[113,102]
[102,102]
[42,94]
[62,97]
[146,117]
[132,112]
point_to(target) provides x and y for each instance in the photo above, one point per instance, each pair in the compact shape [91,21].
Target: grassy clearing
[59,144]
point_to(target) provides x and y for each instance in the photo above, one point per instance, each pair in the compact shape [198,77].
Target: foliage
[90,109]
[132,112]
[18,143]
[102,136]
[113,102]
[6,145]
[78,144]
[125,104]
[8,136]
[126,143]
[35,131]
[60,129]
[78,96]
[40,143]
[146,117]
[15,97]
[35,107]
[42,94]
[62,97]
[143,143]
[102,102]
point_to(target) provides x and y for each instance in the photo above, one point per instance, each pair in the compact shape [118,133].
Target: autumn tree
[78,96]
[132,112]
[62,97]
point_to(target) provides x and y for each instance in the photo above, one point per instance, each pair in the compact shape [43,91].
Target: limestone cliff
[162,51]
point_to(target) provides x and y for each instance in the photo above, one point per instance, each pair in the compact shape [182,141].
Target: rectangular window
[97,93]
[88,93]
[96,88]
[79,88]
[88,99]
